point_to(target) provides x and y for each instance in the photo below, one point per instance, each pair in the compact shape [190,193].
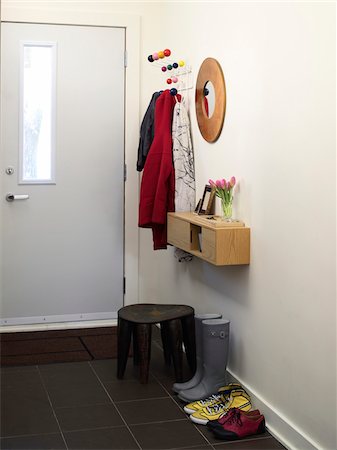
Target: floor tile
[145,411]
[64,367]
[73,384]
[17,368]
[20,379]
[104,438]
[160,370]
[180,403]
[167,384]
[164,435]
[67,373]
[207,433]
[133,390]
[26,410]
[82,395]
[18,419]
[37,442]
[268,443]
[106,370]
[156,335]
[17,392]
[94,416]
[88,418]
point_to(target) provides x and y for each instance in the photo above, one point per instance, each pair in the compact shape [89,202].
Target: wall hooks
[176,69]
[159,55]
[175,65]
[173,79]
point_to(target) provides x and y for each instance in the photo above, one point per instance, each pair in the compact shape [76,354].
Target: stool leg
[143,335]
[174,329]
[124,337]
[135,350]
[188,325]
[165,338]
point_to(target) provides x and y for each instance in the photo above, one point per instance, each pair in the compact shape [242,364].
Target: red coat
[158,181]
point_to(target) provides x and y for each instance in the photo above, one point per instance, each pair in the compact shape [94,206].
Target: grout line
[59,352]
[259,438]
[158,421]
[81,406]
[107,393]
[75,430]
[140,399]
[170,395]
[252,439]
[28,435]
[24,368]
[191,447]
[76,365]
[51,405]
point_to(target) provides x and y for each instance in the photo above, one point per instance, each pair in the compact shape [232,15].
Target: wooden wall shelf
[217,242]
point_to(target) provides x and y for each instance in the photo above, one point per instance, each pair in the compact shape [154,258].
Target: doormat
[45,347]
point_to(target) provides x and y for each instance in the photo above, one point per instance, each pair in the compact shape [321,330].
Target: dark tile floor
[83,406]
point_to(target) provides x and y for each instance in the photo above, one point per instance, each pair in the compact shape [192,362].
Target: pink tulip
[218,183]
[223,183]
[211,182]
[232,181]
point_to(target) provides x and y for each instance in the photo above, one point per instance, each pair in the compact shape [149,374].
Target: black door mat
[44,347]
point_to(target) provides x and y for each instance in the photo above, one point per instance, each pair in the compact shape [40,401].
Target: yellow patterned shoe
[237,399]
[220,397]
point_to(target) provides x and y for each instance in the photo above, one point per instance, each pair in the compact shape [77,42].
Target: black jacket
[146,133]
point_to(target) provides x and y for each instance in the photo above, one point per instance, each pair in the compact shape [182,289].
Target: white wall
[279,141]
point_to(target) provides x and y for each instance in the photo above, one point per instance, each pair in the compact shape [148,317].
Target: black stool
[138,319]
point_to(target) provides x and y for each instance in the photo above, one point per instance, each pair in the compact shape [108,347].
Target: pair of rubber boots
[212,341]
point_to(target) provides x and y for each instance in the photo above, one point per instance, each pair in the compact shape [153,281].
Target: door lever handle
[11,197]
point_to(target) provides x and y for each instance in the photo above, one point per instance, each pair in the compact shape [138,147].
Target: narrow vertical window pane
[37,113]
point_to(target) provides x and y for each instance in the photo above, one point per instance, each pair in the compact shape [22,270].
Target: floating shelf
[217,242]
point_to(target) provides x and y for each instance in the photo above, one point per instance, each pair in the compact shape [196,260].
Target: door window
[37,113]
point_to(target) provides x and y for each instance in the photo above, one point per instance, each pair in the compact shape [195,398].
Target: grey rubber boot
[215,342]
[177,387]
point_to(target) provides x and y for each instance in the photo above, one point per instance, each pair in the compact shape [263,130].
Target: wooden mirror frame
[210,127]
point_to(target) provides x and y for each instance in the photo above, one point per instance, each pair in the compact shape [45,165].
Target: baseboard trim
[59,318]
[286,432]
[58,326]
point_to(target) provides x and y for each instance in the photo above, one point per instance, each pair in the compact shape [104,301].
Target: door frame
[131,24]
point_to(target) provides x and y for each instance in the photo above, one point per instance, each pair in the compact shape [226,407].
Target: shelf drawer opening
[196,238]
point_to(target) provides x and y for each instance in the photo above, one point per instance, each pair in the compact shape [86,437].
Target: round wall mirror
[210,99]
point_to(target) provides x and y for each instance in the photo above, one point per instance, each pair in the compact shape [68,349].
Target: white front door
[62,144]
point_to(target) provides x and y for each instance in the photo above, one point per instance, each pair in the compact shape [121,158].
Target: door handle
[11,197]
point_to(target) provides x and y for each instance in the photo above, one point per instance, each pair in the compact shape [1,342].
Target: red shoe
[211,424]
[239,426]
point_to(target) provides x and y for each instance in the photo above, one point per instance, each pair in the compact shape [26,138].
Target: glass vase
[227,210]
